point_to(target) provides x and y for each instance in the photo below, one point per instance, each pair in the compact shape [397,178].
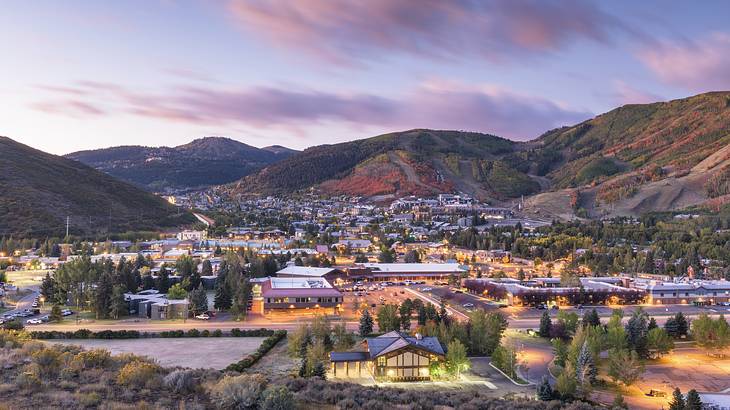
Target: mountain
[420,162]
[640,157]
[198,164]
[633,159]
[38,191]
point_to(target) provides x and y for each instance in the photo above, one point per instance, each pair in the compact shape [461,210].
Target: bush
[93,359]
[238,392]
[193,333]
[277,398]
[180,381]
[205,333]
[92,399]
[28,381]
[254,357]
[217,333]
[137,373]
[46,362]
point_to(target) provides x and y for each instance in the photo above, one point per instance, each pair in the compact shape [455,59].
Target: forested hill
[420,162]
[39,190]
[198,164]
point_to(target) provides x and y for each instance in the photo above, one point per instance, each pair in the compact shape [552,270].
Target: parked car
[202,316]
[34,321]
[541,306]
[426,289]
[468,305]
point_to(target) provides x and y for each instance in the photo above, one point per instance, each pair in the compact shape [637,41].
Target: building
[156,306]
[704,292]
[394,356]
[404,271]
[304,272]
[195,236]
[314,294]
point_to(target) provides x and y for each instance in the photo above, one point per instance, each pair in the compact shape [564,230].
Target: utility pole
[68,219]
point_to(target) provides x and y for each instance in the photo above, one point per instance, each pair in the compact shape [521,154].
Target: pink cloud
[71,108]
[436,105]
[627,94]
[351,31]
[693,65]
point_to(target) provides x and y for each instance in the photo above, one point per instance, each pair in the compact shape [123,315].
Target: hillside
[39,190]
[198,164]
[633,159]
[638,158]
[420,162]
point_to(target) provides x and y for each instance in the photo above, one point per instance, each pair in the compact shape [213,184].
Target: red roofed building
[293,293]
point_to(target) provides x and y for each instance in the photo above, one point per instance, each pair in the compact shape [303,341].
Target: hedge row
[254,357]
[134,334]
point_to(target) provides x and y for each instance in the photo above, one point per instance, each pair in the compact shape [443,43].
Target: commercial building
[295,293]
[394,356]
[704,292]
[156,306]
[404,271]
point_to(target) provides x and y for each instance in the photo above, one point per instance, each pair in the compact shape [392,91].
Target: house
[195,236]
[394,356]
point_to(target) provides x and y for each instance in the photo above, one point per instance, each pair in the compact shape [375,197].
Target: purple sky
[79,74]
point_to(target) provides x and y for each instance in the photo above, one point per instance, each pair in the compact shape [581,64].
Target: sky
[83,75]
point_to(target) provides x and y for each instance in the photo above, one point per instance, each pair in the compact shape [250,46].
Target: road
[24,303]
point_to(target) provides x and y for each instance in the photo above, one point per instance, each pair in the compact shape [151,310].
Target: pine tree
[198,300]
[544,390]
[207,269]
[682,324]
[55,314]
[677,402]
[652,324]
[119,305]
[222,299]
[545,324]
[303,367]
[422,315]
[319,370]
[693,400]
[366,324]
[585,368]
[163,280]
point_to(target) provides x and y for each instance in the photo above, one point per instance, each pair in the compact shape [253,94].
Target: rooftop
[304,271]
[414,267]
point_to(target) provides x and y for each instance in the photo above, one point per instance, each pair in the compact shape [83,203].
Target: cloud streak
[693,65]
[350,31]
[445,106]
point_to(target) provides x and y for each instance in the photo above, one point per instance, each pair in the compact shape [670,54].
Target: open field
[195,352]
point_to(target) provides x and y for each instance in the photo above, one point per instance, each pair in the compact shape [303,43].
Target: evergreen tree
[119,305]
[585,368]
[693,400]
[366,324]
[405,311]
[545,324]
[677,402]
[207,269]
[163,280]
[422,315]
[103,297]
[55,315]
[652,324]
[682,324]
[591,318]
[544,390]
[198,300]
[148,282]
[636,333]
[303,368]
[319,371]
[222,299]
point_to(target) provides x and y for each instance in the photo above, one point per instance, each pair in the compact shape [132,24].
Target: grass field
[196,352]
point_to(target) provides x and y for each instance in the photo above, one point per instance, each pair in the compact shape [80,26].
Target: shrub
[217,333]
[28,381]
[238,392]
[94,359]
[254,357]
[47,362]
[193,333]
[277,398]
[92,399]
[180,381]
[137,373]
[205,333]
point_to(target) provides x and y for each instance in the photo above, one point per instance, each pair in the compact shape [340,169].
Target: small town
[365,205]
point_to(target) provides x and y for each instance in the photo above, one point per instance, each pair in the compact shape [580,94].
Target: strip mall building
[404,271]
